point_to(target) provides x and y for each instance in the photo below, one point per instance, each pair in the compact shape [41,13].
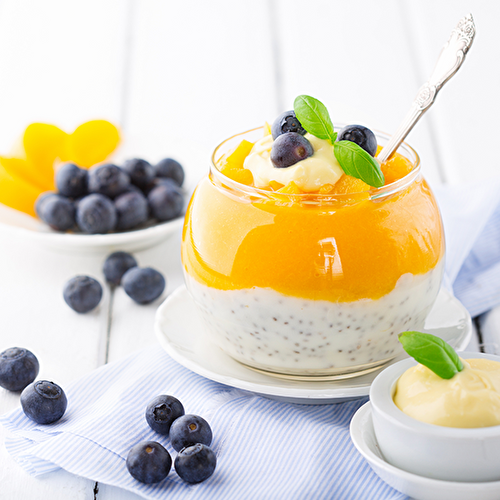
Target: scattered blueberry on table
[112,198]
[189,430]
[143,285]
[18,368]
[116,265]
[195,463]
[43,402]
[82,293]
[149,462]
[161,413]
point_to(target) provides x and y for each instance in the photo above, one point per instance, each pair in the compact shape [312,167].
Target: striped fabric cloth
[265,449]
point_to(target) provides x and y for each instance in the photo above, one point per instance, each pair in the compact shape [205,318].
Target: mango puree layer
[337,252]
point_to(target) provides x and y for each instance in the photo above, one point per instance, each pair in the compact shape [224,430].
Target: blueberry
[286,122]
[108,180]
[362,136]
[143,285]
[71,181]
[132,209]
[140,171]
[96,214]
[18,368]
[57,211]
[82,293]
[290,148]
[171,169]
[162,411]
[195,463]
[42,198]
[149,462]
[116,265]
[189,430]
[158,181]
[44,402]
[166,201]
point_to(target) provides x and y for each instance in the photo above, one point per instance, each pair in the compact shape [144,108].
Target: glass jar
[308,285]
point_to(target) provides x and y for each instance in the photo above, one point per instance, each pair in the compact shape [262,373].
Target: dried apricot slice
[17,193]
[42,144]
[91,143]
[18,167]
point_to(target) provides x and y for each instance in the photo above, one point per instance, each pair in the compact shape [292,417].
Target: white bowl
[447,453]
[21,224]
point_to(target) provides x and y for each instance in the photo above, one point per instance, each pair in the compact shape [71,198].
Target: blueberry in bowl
[168,168]
[96,214]
[131,210]
[18,368]
[149,462]
[44,402]
[166,201]
[56,211]
[140,171]
[72,181]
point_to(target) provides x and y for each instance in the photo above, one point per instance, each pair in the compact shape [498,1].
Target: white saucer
[417,487]
[129,241]
[181,333]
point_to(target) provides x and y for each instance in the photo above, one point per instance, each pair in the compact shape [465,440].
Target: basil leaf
[432,352]
[355,161]
[314,117]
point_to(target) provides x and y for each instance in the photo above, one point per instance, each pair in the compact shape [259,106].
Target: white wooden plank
[200,72]
[490,330]
[465,114]
[62,63]
[358,60]
[67,344]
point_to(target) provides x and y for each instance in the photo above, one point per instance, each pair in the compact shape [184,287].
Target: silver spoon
[451,58]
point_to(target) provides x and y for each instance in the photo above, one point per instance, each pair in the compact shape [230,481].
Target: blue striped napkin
[265,449]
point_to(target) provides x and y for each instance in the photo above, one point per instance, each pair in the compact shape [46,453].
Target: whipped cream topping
[309,174]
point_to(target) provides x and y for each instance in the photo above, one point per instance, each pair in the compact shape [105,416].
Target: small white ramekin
[447,453]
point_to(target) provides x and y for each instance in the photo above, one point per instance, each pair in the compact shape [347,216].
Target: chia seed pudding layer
[274,332]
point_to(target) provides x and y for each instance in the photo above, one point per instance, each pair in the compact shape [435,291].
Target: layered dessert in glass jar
[302,270]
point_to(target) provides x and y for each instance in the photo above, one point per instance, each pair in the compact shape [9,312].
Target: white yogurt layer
[309,174]
[275,332]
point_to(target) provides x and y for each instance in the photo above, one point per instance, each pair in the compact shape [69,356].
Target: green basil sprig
[355,161]
[432,352]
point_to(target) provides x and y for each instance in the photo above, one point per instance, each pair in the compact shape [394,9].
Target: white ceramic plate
[22,224]
[418,487]
[181,333]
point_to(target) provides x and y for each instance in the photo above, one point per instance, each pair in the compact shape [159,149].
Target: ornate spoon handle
[451,58]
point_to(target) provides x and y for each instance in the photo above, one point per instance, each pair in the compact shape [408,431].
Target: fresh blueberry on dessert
[189,430]
[108,180]
[131,209]
[96,214]
[82,293]
[43,402]
[140,171]
[166,201]
[286,122]
[290,148]
[170,169]
[195,463]
[161,413]
[116,265]
[143,285]
[149,462]
[56,211]
[360,135]
[71,180]
[18,368]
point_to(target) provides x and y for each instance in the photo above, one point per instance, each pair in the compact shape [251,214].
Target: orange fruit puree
[333,250]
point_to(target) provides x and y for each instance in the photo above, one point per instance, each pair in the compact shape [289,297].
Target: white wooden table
[179,77]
